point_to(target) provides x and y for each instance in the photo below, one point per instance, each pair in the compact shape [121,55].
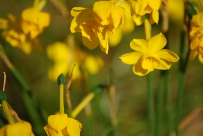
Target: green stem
[179,100]
[168,105]
[151,105]
[61,103]
[7,111]
[160,105]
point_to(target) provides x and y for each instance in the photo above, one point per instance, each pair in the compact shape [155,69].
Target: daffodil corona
[149,55]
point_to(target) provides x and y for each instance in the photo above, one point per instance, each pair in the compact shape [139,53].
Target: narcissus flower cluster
[94,23]
[149,55]
[21,32]
[143,7]
[196,35]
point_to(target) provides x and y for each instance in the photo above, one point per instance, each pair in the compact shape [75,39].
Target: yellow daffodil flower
[149,55]
[34,21]
[142,7]
[95,23]
[21,32]
[196,36]
[61,125]
[20,128]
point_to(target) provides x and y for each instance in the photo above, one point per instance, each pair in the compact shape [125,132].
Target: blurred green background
[131,90]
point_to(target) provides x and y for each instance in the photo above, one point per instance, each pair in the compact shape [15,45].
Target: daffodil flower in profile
[196,36]
[142,7]
[20,128]
[149,55]
[94,23]
[62,125]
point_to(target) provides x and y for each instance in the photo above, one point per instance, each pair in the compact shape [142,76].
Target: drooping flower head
[149,55]
[62,125]
[94,23]
[143,7]
[196,36]
[20,128]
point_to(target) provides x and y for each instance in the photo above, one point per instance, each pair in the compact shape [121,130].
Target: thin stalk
[151,105]
[182,69]
[168,105]
[61,99]
[82,104]
[159,114]
[147,29]
[86,100]
[7,112]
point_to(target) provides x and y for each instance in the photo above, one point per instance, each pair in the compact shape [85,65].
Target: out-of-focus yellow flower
[65,57]
[34,21]
[142,7]
[149,55]
[20,128]
[196,36]
[61,125]
[95,23]
[176,10]
[21,32]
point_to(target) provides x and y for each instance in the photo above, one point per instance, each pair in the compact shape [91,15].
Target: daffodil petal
[57,122]
[117,17]
[154,4]
[198,19]
[102,9]
[156,43]
[87,30]
[200,58]
[155,16]
[103,38]
[131,58]
[90,44]
[76,11]
[164,64]
[138,70]
[150,62]
[80,16]
[193,54]
[168,55]
[137,19]
[139,45]
[73,127]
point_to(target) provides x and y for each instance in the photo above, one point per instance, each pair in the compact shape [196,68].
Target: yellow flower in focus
[34,21]
[95,23]
[61,125]
[149,55]
[142,7]
[20,128]
[196,36]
